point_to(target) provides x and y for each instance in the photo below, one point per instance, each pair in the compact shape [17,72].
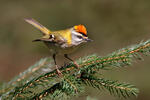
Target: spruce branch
[114,87]
[38,69]
[69,86]
[36,83]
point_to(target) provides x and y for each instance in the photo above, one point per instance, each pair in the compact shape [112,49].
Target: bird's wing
[36,24]
[52,39]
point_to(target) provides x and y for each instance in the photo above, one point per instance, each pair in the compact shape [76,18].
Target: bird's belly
[56,49]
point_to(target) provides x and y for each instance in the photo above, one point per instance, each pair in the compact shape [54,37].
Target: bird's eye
[80,37]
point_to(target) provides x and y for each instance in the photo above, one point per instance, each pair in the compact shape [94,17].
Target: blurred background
[112,24]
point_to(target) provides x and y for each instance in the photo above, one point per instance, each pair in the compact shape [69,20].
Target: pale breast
[59,49]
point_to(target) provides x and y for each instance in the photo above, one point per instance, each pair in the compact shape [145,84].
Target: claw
[58,71]
[76,64]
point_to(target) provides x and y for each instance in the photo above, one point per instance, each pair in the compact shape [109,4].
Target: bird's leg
[57,69]
[66,56]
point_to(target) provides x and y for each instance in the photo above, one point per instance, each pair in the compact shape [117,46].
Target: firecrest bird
[61,42]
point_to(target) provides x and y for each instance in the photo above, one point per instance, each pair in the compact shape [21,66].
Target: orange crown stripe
[81,29]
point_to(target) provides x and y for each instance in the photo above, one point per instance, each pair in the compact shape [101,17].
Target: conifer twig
[49,85]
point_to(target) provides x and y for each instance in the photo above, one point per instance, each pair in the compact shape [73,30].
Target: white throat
[75,39]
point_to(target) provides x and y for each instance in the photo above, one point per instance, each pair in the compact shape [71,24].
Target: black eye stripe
[80,37]
[83,34]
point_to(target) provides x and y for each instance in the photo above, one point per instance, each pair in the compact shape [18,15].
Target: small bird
[62,42]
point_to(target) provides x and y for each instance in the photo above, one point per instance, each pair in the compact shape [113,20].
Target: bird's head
[79,35]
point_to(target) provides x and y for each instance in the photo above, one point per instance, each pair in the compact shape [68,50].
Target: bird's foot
[58,71]
[75,63]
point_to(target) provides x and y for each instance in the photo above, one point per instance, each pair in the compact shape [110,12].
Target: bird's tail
[36,24]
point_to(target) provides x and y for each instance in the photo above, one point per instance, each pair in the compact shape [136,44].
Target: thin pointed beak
[88,40]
